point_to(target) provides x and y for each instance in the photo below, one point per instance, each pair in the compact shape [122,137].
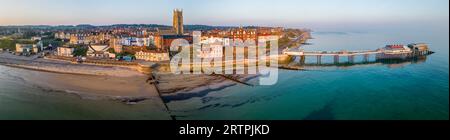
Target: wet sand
[88,86]
[99,96]
[181,87]
[118,83]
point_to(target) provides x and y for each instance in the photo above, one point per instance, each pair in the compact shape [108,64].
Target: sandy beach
[87,81]
[109,82]
[87,91]
[89,86]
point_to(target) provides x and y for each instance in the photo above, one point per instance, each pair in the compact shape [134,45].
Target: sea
[411,90]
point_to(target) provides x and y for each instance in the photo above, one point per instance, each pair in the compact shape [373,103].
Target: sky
[323,14]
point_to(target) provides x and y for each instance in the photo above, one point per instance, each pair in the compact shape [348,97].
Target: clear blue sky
[287,13]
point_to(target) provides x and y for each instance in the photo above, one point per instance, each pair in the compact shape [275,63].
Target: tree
[283,41]
[54,42]
[80,51]
[111,50]
[8,44]
[11,43]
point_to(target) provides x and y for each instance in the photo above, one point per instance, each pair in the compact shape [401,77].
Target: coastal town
[138,54]
[207,69]
[131,45]
[146,51]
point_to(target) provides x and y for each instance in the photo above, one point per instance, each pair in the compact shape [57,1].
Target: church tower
[178,21]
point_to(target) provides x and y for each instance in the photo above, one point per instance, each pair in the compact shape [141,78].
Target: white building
[211,40]
[397,49]
[141,42]
[126,41]
[98,51]
[65,51]
[214,50]
[111,55]
[262,39]
[36,38]
[62,35]
[152,56]
[135,41]
[29,48]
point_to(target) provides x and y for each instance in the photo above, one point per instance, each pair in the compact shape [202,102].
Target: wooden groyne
[229,77]
[154,82]
[291,68]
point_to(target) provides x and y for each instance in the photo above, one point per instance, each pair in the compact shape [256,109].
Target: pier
[410,51]
[335,54]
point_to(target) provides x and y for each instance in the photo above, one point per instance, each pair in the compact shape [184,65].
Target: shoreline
[204,90]
[83,81]
[130,100]
[88,87]
[41,70]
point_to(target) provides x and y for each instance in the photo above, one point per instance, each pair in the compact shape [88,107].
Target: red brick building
[163,42]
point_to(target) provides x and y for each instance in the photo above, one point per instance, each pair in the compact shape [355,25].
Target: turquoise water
[407,91]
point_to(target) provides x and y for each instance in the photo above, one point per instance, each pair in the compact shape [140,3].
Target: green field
[11,43]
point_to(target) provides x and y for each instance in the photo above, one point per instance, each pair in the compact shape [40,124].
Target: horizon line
[99,25]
